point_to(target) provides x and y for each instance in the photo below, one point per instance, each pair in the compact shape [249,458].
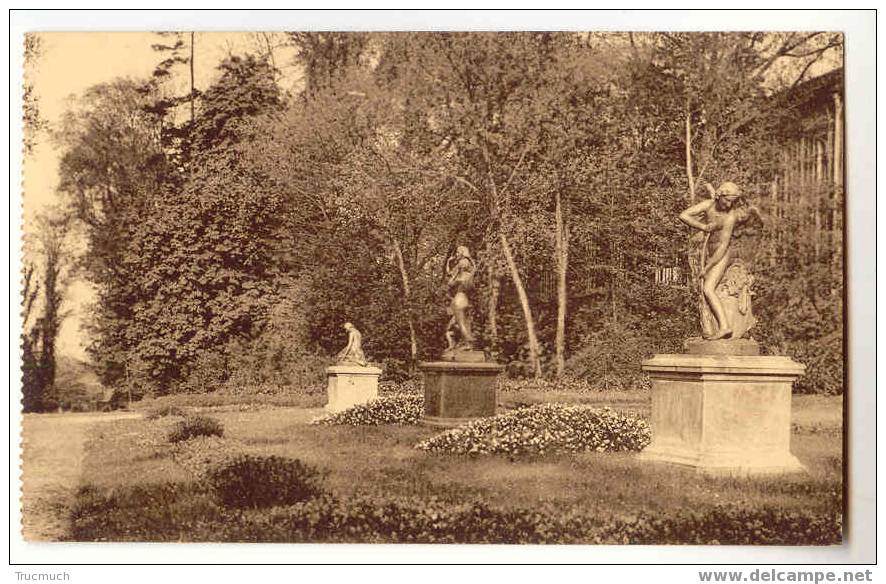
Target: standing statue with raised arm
[726,279]
[460,340]
[460,270]
[721,407]
[462,385]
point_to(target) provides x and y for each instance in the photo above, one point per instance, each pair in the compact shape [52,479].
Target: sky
[68,64]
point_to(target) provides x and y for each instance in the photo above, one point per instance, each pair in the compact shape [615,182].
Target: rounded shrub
[194,426]
[251,481]
[545,428]
[387,409]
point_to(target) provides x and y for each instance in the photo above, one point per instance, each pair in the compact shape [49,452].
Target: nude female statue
[722,213]
[353,353]
[461,269]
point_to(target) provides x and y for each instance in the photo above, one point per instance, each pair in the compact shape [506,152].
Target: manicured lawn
[381,463]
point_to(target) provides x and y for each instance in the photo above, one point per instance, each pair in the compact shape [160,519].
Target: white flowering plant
[545,428]
[403,409]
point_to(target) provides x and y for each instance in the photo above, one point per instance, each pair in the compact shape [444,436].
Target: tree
[560,159]
[112,173]
[326,56]
[175,55]
[331,159]
[32,378]
[34,123]
[41,332]
[202,258]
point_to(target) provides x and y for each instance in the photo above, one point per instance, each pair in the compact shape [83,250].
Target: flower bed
[544,428]
[387,409]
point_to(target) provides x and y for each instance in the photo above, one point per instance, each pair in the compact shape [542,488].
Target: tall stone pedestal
[458,392]
[349,385]
[723,414]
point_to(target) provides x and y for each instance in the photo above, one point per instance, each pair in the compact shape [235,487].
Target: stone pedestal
[723,414]
[456,392]
[349,385]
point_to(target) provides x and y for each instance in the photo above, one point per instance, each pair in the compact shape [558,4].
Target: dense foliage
[544,428]
[229,247]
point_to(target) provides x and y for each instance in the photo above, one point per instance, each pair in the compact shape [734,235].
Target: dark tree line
[230,246]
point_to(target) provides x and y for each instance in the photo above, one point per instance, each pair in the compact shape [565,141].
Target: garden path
[52,454]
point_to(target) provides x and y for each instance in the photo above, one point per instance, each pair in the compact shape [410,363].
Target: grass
[130,482]
[381,460]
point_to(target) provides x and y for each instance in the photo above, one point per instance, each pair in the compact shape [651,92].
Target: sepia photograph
[437,287]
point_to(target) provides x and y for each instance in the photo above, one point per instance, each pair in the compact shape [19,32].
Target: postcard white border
[859,27]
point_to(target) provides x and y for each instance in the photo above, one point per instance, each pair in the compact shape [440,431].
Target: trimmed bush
[544,428]
[387,409]
[728,525]
[171,512]
[194,426]
[163,411]
[250,481]
[436,521]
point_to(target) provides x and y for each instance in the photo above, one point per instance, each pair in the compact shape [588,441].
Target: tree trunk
[494,290]
[534,352]
[562,253]
[407,293]
[191,62]
[693,260]
[689,175]
[50,321]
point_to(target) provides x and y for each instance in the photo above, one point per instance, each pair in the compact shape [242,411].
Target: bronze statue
[726,280]
[460,268]
[353,353]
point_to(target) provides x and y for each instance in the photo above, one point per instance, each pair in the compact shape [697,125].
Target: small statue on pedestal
[353,353]
[351,381]
[725,300]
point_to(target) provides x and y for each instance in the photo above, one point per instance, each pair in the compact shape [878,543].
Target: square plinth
[723,414]
[456,392]
[350,385]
